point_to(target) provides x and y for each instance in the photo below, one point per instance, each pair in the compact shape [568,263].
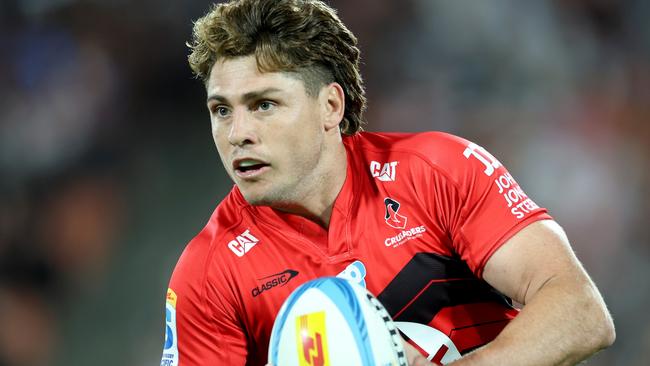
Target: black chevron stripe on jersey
[429,283]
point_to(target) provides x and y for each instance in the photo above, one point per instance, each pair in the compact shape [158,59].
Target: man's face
[267,129]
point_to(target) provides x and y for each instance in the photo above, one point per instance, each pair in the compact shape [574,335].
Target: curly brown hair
[304,37]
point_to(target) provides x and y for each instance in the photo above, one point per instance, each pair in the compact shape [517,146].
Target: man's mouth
[248,168]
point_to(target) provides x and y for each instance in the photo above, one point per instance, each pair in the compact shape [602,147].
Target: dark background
[107,167]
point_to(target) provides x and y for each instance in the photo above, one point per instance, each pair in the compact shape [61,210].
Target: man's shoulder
[211,243]
[418,142]
[438,150]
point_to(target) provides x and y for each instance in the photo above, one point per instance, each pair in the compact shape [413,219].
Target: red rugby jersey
[415,222]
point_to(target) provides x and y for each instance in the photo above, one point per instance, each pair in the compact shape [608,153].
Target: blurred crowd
[107,166]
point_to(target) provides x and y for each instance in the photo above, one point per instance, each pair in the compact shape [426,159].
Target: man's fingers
[414,357]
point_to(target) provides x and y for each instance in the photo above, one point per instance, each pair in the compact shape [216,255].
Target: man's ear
[332,100]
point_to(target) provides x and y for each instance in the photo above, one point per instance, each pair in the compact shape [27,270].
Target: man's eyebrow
[246,97]
[216,97]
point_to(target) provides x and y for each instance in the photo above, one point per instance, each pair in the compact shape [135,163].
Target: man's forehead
[241,75]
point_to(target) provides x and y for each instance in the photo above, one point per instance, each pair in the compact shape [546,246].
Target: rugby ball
[331,321]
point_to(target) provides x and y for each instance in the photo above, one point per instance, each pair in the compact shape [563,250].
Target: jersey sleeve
[480,202]
[201,325]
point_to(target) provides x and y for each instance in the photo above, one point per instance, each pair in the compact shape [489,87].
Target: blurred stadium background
[107,167]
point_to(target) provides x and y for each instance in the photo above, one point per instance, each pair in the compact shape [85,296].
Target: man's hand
[414,357]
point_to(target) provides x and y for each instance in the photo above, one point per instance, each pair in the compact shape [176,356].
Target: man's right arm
[202,327]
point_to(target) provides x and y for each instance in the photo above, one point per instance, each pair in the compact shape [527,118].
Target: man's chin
[257,199]
[267,198]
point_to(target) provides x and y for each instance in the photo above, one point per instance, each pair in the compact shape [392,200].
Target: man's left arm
[564,319]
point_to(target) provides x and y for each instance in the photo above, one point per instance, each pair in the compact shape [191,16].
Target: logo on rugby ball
[332,321]
[312,340]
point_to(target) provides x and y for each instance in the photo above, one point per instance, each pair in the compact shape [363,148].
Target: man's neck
[318,202]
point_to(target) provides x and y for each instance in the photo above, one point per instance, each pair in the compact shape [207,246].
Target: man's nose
[242,129]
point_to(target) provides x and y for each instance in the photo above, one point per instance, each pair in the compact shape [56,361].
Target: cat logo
[384,172]
[243,243]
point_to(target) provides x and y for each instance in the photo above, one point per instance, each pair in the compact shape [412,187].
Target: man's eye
[221,111]
[265,106]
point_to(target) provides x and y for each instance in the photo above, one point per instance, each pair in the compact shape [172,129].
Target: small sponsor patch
[171,297]
[354,272]
[170,349]
[385,172]
[517,201]
[243,243]
[269,282]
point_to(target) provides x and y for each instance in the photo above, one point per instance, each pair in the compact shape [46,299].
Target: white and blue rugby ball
[331,321]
